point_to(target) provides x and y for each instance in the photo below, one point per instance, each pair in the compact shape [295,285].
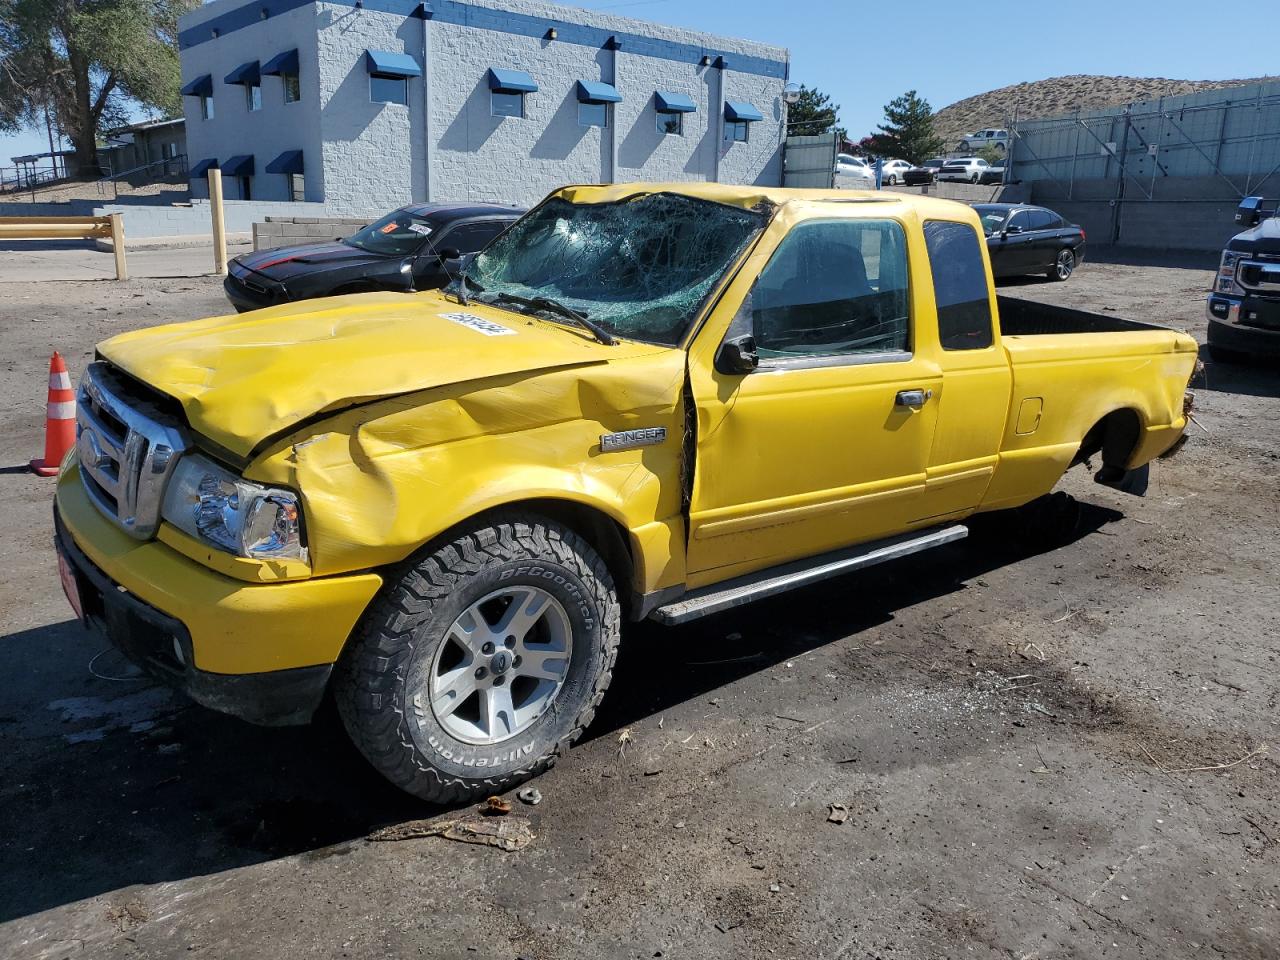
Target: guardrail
[70,228]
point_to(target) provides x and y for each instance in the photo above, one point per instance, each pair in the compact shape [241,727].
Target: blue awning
[391,64]
[736,111]
[202,168]
[288,162]
[239,166]
[511,81]
[199,87]
[245,73]
[669,102]
[593,91]
[282,63]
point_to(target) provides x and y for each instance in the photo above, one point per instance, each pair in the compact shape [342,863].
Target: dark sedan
[1023,239]
[405,250]
[927,172]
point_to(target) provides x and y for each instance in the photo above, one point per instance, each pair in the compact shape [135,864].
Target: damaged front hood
[243,378]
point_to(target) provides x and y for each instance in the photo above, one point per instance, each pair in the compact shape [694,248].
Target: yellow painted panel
[235,627]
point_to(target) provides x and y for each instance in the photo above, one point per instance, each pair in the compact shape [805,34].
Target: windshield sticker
[389,228]
[421,228]
[479,324]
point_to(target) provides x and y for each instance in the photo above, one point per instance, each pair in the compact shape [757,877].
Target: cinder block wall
[291,231]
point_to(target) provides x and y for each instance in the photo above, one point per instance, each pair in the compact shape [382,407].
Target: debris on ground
[530,795]
[837,813]
[507,833]
[496,807]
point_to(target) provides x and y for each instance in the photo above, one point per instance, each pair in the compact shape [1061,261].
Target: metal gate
[809,161]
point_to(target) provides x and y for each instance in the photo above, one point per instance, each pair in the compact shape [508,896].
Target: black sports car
[1022,239]
[405,250]
[927,172]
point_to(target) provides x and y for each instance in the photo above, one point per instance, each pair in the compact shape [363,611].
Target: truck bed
[1023,318]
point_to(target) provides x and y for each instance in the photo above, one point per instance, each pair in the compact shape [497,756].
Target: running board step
[766,583]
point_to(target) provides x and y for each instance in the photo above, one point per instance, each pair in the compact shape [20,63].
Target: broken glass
[641,268]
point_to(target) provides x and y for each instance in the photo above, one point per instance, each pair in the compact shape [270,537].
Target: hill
[1059,95]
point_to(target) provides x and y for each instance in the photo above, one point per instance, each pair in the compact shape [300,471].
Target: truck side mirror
[738,356]
[1249,212]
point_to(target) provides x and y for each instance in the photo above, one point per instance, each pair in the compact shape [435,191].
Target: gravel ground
[1009,728]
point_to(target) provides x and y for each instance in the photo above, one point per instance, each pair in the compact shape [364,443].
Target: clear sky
[865,52]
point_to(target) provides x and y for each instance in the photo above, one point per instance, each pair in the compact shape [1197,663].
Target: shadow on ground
[1254,378]
[193,792]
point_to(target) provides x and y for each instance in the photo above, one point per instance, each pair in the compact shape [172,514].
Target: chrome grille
[1260,277]
[127,450]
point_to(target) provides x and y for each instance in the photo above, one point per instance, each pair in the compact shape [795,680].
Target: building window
[593,114]
[297,187]
[245,192]
[671,123]
[505,103]
[292,87]
[206,108]
[253,96]
[384,88]
[736,131]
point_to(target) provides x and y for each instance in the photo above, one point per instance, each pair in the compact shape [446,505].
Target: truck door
[973,404]
[826,443]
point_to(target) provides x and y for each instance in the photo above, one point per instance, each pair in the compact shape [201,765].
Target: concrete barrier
[290,231]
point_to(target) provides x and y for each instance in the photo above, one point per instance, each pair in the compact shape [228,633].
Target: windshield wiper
[555,306]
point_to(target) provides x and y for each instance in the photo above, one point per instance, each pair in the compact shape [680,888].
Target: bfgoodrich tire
[480,663]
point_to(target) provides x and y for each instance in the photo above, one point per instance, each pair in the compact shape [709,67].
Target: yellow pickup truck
[640,401]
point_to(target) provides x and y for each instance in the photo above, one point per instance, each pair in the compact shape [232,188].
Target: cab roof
[750,196]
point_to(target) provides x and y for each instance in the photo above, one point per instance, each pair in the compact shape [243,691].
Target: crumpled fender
[381,480]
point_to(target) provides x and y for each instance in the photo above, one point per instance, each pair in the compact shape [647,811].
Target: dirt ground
[1019,735]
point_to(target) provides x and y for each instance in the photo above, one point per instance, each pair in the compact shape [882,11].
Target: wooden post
[219,225]
[117,245]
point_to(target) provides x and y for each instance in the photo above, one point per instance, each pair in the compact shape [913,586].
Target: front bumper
[260,651]
[248,291]
[1227,332]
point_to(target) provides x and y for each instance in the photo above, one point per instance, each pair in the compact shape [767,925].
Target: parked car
[851,166]
[1244,303]
[992,175]
[405,250]
[963,168]
[893,172]
[991,137]
[439,509]
[926,172]
[1023,239]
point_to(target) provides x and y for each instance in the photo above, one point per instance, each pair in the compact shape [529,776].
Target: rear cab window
[959,285]
[834,289]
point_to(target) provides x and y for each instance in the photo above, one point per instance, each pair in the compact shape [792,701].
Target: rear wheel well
[1115,436]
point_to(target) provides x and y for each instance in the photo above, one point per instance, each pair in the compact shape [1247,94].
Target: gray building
[365,105]
[160,146]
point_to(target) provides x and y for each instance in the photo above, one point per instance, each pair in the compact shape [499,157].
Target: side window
[471,237]
[1020,220]
[1039,219]
[833,288]
[959,285]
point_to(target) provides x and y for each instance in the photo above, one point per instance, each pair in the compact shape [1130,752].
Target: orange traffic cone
[60,422]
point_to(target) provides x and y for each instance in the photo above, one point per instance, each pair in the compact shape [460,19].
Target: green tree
[907,131]
[812,115]
[85,61]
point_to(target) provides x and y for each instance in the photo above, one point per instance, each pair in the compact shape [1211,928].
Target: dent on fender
[384,479]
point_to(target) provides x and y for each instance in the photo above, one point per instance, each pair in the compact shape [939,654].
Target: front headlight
[233,514]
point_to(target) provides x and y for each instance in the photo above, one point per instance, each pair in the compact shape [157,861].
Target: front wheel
[483,661]
[1063,265]
[893,180]
[975,178]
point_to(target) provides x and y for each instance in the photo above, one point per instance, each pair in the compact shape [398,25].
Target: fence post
[117,245]
[219,226]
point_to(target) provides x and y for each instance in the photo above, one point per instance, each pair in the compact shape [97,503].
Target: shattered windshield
[639,268]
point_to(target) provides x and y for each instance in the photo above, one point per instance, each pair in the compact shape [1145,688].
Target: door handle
[912,398]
